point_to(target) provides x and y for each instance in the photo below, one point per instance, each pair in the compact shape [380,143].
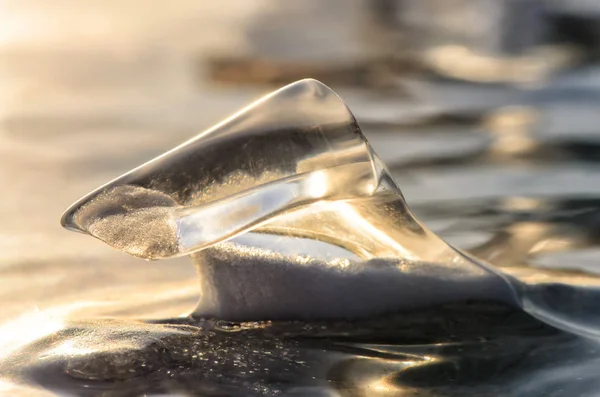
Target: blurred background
[486,111]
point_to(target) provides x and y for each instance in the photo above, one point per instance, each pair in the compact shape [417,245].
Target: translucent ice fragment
[291,148]
[288,213]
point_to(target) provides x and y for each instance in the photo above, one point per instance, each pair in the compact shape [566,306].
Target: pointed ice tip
[67,221]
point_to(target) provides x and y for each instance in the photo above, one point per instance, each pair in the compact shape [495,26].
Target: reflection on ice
[437,352]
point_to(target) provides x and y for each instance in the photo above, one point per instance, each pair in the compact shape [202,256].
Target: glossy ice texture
[328,231]
[295,147]
[288,213]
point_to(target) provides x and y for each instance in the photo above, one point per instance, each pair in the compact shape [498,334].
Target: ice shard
[288,213]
